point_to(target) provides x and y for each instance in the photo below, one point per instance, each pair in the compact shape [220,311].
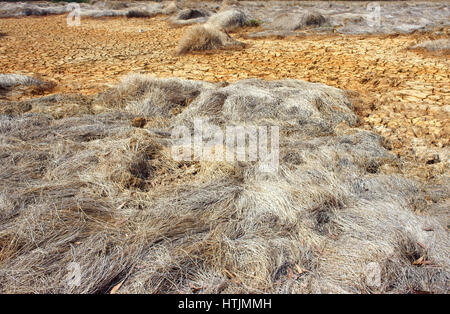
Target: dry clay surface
[402,94]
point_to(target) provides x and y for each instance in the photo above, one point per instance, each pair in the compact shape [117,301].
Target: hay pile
[139,13]
[354,17]
[17,9]
[288,24]
[97,9]
[212,34]
[96,191]
[170,8]
[229,19]
[19,84]
[190,16]
[293,22]
[205,37]
[120,8]
[434,45]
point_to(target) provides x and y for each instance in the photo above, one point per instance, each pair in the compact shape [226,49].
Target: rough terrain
[406,93]
[86,173]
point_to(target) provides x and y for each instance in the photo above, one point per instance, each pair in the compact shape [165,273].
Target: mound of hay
[205,37]
[18,84]
[295,21]
[434,45]
[284,103]
[170,8]
[277,34]
[56,105]
[229,19]
[228,3]
[190,16]
[96,194]
[103,13]
[114,5]
[136,13]
[152,97]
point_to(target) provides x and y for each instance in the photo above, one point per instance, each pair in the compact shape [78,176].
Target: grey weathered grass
[190,16]
[98,192]
[229,19]
[292,22]
[19,83]
[434,45]
[205,37]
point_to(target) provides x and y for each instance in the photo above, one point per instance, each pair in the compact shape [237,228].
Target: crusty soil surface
[400,93]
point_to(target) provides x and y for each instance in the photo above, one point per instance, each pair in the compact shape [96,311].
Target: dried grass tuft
[96,191]
[18,84]
[190,16]
[434,45]
[296,21]
[205,37]
[229,20]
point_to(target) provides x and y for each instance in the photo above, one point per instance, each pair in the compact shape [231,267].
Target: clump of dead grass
[135,13]
[152,97]
[205,37]
[434,45]
[190,16]
[296,21]
[170,8]
[229,19]
[18,84]
[96,191]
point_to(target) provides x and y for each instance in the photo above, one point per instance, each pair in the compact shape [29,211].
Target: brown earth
[402,94]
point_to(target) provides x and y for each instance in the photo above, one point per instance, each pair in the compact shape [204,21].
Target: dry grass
[229,20]
[97,9]
[170,8]
[16,9]
[205,37]
[296,21]
[99,192]
[139,14]
[190,16]
[434,45]
[18,84]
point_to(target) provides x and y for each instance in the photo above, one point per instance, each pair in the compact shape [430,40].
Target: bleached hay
[190,16]
[98,192]
[295,21]
[17,82]
[205,37]
[229,19]
[434,45]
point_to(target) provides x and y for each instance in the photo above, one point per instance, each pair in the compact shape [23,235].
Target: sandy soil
[402,94]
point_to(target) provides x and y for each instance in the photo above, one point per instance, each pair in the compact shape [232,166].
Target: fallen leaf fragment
[116,287]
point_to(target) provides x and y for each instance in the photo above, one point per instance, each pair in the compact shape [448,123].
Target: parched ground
[402,94]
